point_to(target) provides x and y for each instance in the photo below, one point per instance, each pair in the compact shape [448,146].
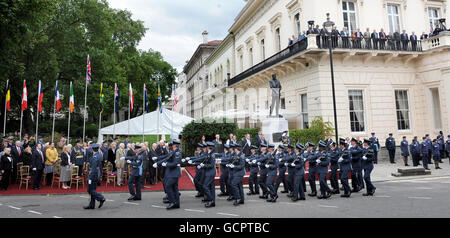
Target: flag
[40,97]
[175,98]
[88,71]
[72,99]
[116,97]
[145,98]
[102,96]
[57,98]
[159,100]
[131,98]
[24,97]
[8,98]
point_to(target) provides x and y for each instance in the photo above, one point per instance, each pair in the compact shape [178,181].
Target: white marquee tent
[155,123]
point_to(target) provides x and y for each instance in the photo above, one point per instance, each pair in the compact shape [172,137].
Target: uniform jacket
[414,148]
[333,156]
[435,151]
[239,165]
[299,165]
[404,148]
[95,166]
[210,164]
[253,166]
[346,164]
[173,169]
[448,146]
[423,148]
[356,154]
[369,154]
[79,155]
[390,143]
[324,162]
[136,162]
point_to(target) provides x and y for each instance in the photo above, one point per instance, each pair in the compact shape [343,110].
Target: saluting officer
[333,155]
[312,170]
[136,162]
[237,167]
[405,151]
[345,165]
[281,169]
[253,178]
[322,168]
[209,167]
[271,164]
[263,170]
[299,167]
[356,154]
[367,166]
[96,160]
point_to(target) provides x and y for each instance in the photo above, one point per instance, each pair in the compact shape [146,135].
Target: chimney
[205,37]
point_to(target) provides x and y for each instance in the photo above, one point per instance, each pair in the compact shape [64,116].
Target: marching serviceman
[225,189]
[237,167]
[356,154]
[230,171]
[163,157]
[322,168]
[281,169]
[311,158]
[96,160]
[209,167]
[136,162]
[263,170]
[435,150]
[288,159]
[367,166]
[405,151]
[333,155]
[198,178]
[345,165]
[424,152]
[271,164]
[299,167]
[253,178]
[390,146]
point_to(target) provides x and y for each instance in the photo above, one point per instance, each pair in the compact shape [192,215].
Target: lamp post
[328,25]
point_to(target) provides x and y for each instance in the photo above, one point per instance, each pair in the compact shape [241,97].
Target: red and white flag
[57,98]
[24,97]
[131,98]
[40,97]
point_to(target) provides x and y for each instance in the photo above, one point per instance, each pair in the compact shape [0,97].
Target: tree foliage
[49,40]
[318,131]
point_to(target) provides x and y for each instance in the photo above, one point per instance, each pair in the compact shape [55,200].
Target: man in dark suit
[37,166]
[375,38]
[404,38]
[145,165]
[245,145]
[218,145]
[16,152]
[413,39]
[152,153]
[383,38]
[358,38]
[397,39]
[334,37]
[258,139]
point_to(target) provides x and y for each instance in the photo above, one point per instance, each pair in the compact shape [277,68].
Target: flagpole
[114,125]
[68,125]
[37,109]
[6,102]
[21,114]
[54,112]
[143,115]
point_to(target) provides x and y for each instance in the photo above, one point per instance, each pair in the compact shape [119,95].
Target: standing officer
[390,146]
[209,167]
[356,154]
[172,174]
[136,162]
[429,148]
[333,155]
[299,166]
[415,153]
[424,152]
[405,151]
[271,164]
[96,160]
[346,166]
[79,157]
[281,169]
[441,146]
[322,168]
[376,147]
[224,172]
[435,150]
[448,147]
[237,167]
[367,166]
[253,178]
[311,158]
[263,170]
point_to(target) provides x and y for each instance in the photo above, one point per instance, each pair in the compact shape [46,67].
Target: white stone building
[404,91]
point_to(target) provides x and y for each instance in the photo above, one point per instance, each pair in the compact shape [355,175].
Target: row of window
[357,110]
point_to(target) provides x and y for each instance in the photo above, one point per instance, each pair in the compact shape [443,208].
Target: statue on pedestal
[275,86]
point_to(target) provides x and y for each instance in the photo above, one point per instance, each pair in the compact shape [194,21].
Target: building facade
[394,88]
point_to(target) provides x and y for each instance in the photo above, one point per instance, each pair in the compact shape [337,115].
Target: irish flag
[57,98]
[72,100]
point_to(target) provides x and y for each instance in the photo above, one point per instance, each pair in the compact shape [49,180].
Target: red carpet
[184,183]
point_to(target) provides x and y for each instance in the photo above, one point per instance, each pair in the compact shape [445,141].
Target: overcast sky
[175,27]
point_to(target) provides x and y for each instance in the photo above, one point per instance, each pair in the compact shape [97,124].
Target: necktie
[18,151]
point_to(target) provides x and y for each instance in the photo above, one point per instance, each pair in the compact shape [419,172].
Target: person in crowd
[112,155]
[51,155]
[390,146]
[424,36]
[97,158]
[375,143]
[447,147]
[345,34]
[203,140]
[66,165]
[16,153]
[145,164]
[230,139]
[424,152]
[367,39]
[60,145]
[397,39]
[152,153]
[367,166]
[79,156]
[334,37]
[413,39]
[375,38]
[218,145]
[405,39]
[25,157]
[245,145]
[436,153]
[415,152]
[6,168]
[120,163]
[405,150]
[37,168]
[382,39]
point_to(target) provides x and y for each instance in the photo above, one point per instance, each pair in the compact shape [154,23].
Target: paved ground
[413,197]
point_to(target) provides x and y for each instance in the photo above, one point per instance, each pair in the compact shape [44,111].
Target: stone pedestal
[272,128]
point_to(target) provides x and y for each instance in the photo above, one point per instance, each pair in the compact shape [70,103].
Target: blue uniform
[404,148]
[281,172]
[333,156]
[199,175]
[415,152]
[390,146]
[238,172]
[262,172]
[136,162]
[299,170]
[435,151]
[93,179]
[209,168]
[367,166]
[322,168]
[291,170]
[375,144]
[253,178]
[424,154]
[357,179]
[224,172]
[79,159]
[311,158]
[171,176]
[447,146]
[346,168]
[272,165]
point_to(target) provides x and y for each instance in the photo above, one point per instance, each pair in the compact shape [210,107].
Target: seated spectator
[25,157]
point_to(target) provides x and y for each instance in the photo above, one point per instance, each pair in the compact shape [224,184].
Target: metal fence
[369,44]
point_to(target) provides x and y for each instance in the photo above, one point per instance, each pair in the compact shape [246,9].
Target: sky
[175,26]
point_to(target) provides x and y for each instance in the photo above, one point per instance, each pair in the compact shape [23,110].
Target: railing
[280,56]
[441,40]
[368,44]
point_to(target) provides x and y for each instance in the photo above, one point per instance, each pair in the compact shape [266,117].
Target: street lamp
[328,25]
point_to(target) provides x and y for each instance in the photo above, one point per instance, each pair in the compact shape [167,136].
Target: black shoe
[241,201]
[285,191]
[131,198]
[302,199]
[88,207]
[236,203]
[166,201]
[250,193]
[275,198]
[313,194]
[320,197]
[210,204]
[373,191]
[222,194]
[406,164]
[173,206]
[204,200]
[294,199]
[341,188]
[199,195]
[289,195]
[355,190]
[230,198]
[427,169]
[101,203]
[345,195]
[264,196]
[136,199]
[367,194]
[327,195]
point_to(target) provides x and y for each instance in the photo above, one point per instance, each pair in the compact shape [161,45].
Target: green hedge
[318,131]
[193,132]
[240,133]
